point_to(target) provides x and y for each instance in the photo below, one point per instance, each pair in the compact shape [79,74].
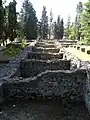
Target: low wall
[46,46]
[44,56]
[69,41]
[64,84]
[41,49]
[33,67]
[12,69]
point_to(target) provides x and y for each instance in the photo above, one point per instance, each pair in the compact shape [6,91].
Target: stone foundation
[41,49]
[67,85]
[73,84]
[33,67]
[44,56]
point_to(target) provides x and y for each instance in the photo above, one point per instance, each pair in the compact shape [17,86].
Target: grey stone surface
[33,67]
[45,56]
[71,84]
[41,49]
[68,85]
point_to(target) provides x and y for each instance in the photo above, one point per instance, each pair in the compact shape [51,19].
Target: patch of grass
[81,55]
[12,50]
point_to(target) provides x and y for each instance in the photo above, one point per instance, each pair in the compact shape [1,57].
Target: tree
[67,28]
[44,24]
[85,22]
[72,35]
[1,19]
[58,28]
[39,29]
[12,20]
[61,29]
[55,30]
[79,10]
[50,25]
[29,20]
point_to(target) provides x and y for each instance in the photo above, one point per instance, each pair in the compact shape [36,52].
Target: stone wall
[33,67]
[71,84]
[61,84]
[41,49]
[44,56]
[12,68]
[75,62]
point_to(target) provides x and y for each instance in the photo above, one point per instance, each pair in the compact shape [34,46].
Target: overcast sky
[59,7]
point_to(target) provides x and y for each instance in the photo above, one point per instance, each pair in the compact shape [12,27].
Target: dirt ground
[39,110]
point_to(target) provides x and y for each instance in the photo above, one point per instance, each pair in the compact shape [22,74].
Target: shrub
[83,49]
[88,51]
[24,43]
[78,48]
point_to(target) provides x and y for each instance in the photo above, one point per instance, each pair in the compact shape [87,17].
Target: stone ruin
[46,71]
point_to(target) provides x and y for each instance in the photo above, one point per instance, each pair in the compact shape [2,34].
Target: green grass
[81,55]
[12,50]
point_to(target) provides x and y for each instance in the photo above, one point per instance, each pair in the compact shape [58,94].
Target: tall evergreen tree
[58,27]
[61,29]
[79,10]
[50,25]
[12,20]
[44,24]
[39,29]
[29,20]
[1,19]
[72,35]
[55,30]
[85,22]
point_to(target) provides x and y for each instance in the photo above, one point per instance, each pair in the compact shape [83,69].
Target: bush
[74,46]
[78,48]
[88,51]
[24,43]
[83,49]
[12,50]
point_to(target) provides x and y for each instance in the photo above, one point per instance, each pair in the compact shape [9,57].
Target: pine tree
[29,20]
[58,32]
[85,22]
[50,25]
[79,11]
[12,20]
[44,24]
[39,29]
[67,28]
[55,30]
[1,19]
[61,29]
[72,35]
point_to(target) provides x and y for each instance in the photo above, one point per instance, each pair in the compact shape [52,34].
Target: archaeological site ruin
[46,70]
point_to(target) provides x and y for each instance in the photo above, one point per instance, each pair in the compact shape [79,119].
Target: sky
[59,7]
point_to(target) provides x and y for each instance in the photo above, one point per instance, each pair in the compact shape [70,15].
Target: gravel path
[32,110]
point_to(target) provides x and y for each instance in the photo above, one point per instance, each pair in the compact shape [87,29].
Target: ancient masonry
[45,70]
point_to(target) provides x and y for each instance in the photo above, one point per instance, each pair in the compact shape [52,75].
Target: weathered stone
[41,66]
